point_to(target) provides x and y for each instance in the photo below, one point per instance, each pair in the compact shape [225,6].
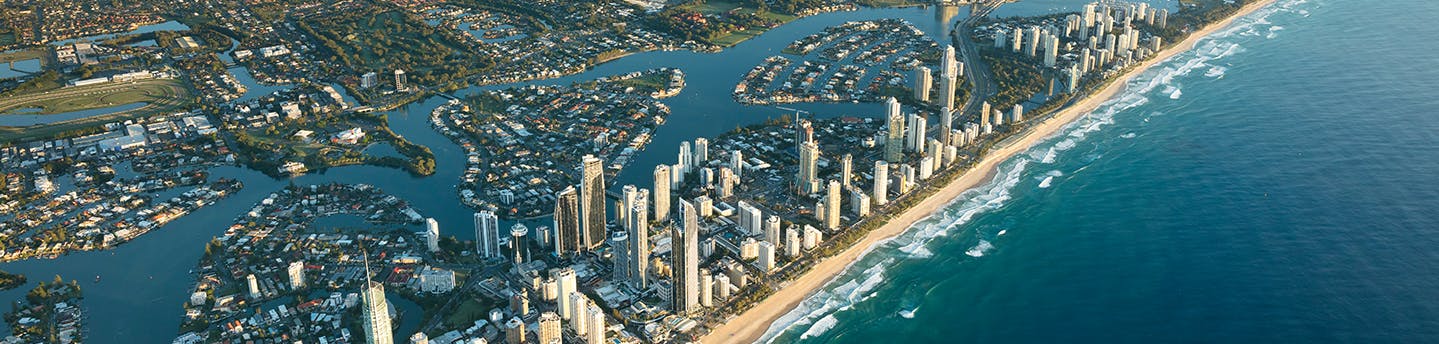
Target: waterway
[151,276]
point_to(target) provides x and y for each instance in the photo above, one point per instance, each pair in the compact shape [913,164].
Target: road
[980,78]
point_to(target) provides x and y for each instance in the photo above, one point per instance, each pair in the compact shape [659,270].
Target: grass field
[733,38]
[161,96]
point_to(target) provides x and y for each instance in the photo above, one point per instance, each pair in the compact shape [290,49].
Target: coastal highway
[980,78]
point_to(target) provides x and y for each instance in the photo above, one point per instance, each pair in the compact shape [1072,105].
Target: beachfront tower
[592,202]
[946,91]
[894,141]
[831,205]
[946,123]
[881,182]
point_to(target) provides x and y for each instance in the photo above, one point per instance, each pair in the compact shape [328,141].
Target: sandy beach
[750,325]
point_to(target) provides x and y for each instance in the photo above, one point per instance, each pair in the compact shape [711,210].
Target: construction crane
[796,112]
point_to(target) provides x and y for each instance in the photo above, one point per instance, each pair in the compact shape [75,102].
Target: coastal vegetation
[269,148]
[380,40]
[11,280]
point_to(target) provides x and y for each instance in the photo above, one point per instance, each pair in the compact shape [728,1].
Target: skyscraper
[638,226]
[296,272]
[750,218]
[549,328]
[568,237]
[515,331]
[596,323]
[592,202]
[806,181]
[368,80]
[518,246]
[948,64]
[565,283]
[736,162]
[915,137]
[661,199]
[620,252]
[881,182]
[922,83]
[831,206]
[487,232]
[894,142]
[686,260]
[846,168]
[376,313]
[946,123]
[432,235]
[626,201]
[771,230]
[399,79]
[946,91]
[702,151]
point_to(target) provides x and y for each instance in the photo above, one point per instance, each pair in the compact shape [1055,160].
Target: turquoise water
[1266,187]
[1281,198]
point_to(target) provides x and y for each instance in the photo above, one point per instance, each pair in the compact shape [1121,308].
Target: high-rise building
[736,162]
[661,199]
[686,261]
[369,80]
[706,287]
[894,142]
[804,132]
[792,242]
[948,64]
[399,79]
[946,91]
[596,323]
[592,202]
[831,206]
[1031,44]
[254,284]
[432,235]
[771,230]
[727,182]
[1017,114]
[922,83]
[296,272]
[806,180]
[549,328]
[1018,41]
[580,315]
[766,256]
[705,205]
[487,232]
[685,158]
[881,182]
[515,331]
[812,237]
[639,244]
[750,218]
[620,253]
[915,138]
[566,284]
[568,233]
[626,201]
[702,151]
[946,123]
[846,168]
[520,302]
[1051,50]
[859,202]
[375,319]
[519,247]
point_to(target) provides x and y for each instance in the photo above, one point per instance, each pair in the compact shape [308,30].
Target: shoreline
[750,325]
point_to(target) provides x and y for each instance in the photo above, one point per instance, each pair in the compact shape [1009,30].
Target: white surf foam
[847,289]
[979,249]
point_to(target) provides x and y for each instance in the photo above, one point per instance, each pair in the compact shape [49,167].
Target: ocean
[1275,184]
